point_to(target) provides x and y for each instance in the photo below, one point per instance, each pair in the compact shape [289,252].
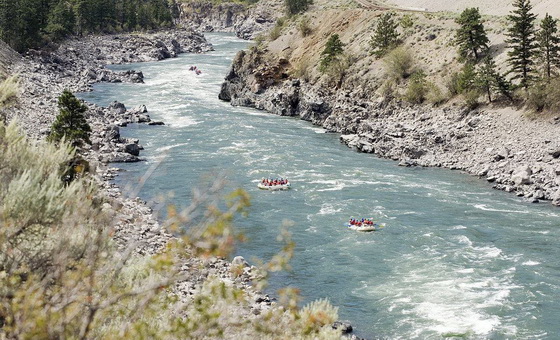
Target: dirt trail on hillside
[495,7]
[377,5]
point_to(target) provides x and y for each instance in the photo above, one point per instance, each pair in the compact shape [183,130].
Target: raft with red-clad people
[274,184]
[365,224]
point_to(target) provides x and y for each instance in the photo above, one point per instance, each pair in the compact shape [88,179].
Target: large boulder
[522,175]
[117,108]
[133,149]
[556,198]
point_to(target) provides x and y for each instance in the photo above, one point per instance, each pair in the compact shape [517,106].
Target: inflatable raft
[365,227]
[274,187]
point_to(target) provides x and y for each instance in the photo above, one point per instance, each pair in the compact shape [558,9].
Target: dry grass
[9,89]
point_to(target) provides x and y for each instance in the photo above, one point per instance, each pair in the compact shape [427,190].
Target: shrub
[463,81]
[297,6]
[304,26]
[406,21]
[417,88]
[544,96]
[399,63]
[337,69]
[301,69]
[471,98]
[8,90]
[277,29]
[434,95]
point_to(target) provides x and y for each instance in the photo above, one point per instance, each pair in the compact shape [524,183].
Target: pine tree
[333,48]
[549,44]
[522,42]
[471,36]
[490,81]
[61,20]
[70,122]
[297,6]
[386,36]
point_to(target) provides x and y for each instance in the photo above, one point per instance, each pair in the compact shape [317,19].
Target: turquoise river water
[457,258]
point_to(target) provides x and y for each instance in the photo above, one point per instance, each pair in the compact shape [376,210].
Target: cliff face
[499,144]
[246,21]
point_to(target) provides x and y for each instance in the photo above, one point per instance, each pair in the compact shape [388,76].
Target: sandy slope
[490,7]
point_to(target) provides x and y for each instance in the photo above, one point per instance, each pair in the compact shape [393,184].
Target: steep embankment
[246,21]
[360,100]
[8,58]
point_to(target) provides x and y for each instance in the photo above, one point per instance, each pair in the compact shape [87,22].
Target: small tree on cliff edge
[333,49]
[471,36]
[70,122]
[386,36]
[549,45]
[522,42]
[297,6]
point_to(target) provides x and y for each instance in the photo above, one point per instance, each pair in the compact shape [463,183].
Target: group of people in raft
[364,221]
[272,182]
[195,69]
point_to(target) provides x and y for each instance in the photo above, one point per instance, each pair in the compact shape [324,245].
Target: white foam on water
[488,252]
[177,122]
[466,271]
[486,208]
[337,187]
[169,147]
[314,129]
[531,263]
[329,209]
[464,240]
[459,227]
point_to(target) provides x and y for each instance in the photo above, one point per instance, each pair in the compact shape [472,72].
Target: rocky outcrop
[513,152]
[246,21]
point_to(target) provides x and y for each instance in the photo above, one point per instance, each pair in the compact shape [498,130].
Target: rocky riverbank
[517,153]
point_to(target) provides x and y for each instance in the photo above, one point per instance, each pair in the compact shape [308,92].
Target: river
[456,259]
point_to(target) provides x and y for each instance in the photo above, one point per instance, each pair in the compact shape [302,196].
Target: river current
[456,259]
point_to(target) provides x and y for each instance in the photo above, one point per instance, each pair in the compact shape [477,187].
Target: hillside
[362,98]
[496,7]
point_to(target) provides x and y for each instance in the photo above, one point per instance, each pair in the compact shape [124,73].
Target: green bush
[277,29]
[304,26]
[399,64]
[435,95]
[544,96]
[471,98]
[417,88]
[337,69]
[8,90]
[406,21]
[297,6]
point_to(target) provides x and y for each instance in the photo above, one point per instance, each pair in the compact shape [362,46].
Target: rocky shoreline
[516,153]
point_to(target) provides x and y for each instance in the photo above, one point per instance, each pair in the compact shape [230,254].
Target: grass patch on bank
[9,89]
